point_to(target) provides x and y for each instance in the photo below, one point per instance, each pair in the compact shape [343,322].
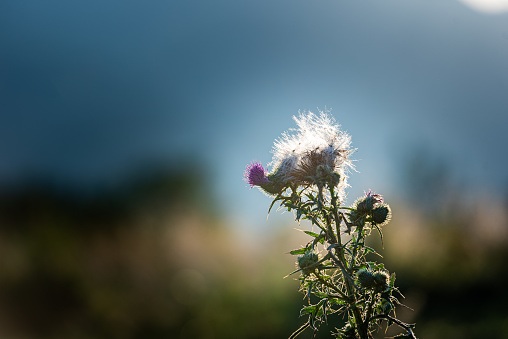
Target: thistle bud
[381,280]
[366,205]
[381,215]
[371,200]
[365,278]
[307,261]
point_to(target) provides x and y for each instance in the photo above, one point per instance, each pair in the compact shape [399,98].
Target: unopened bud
[307,261]
[381,215]
[365,278]
[381,279]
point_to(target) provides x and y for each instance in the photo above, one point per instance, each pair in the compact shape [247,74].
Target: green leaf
[380,234]
[371,250]
[289,206]
[392,280]
[375,266]
[319,239]
[309,290]
[308,309]
[320,294]
[298,251]
[307,204]
[312,234]
[337,301]
[298,214]
[298,270]
[279,197]
[320,305]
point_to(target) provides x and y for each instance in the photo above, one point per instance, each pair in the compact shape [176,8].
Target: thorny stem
[326,216]
[402,324]
[362,327]
[369,308]
[355,249]
[336,215]
[333,238]
[339,262]
[314,220]
[300,330]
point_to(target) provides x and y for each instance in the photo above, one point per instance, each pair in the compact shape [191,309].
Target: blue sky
[91,91]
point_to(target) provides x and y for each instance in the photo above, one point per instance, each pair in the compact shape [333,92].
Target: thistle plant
[338,278]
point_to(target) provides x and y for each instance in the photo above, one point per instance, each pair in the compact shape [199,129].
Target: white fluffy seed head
[318,140]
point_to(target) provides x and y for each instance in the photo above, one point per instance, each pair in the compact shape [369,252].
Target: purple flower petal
[376,198]
[255,175]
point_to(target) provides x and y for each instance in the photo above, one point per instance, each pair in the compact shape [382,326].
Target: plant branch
[407,327]
[333,287]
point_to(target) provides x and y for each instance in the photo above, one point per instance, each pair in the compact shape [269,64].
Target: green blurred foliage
[153,257]
[149,258]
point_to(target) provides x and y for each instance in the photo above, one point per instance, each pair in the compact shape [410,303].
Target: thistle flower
[374,198]
[367,204]
[318,143]
[255,174]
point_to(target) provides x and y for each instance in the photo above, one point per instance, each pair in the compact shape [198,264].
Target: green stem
[339,263]
[369,308]
[355,248]
[332,238]
[300,330]
[335,213]
[362,328]
[348,281]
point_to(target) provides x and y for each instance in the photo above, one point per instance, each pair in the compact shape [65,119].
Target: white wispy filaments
[318,141]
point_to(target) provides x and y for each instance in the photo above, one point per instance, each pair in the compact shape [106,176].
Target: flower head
[255,175]
[374,197]
[367,204]
[299,157]
[371,205]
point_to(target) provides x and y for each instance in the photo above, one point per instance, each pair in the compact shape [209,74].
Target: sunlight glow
[487,6]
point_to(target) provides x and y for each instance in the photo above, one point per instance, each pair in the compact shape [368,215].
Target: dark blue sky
[92,90]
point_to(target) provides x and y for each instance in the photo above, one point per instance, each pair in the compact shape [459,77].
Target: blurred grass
[147,259]
[153,258]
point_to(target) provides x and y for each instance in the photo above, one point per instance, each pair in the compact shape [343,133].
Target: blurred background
[125,128]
